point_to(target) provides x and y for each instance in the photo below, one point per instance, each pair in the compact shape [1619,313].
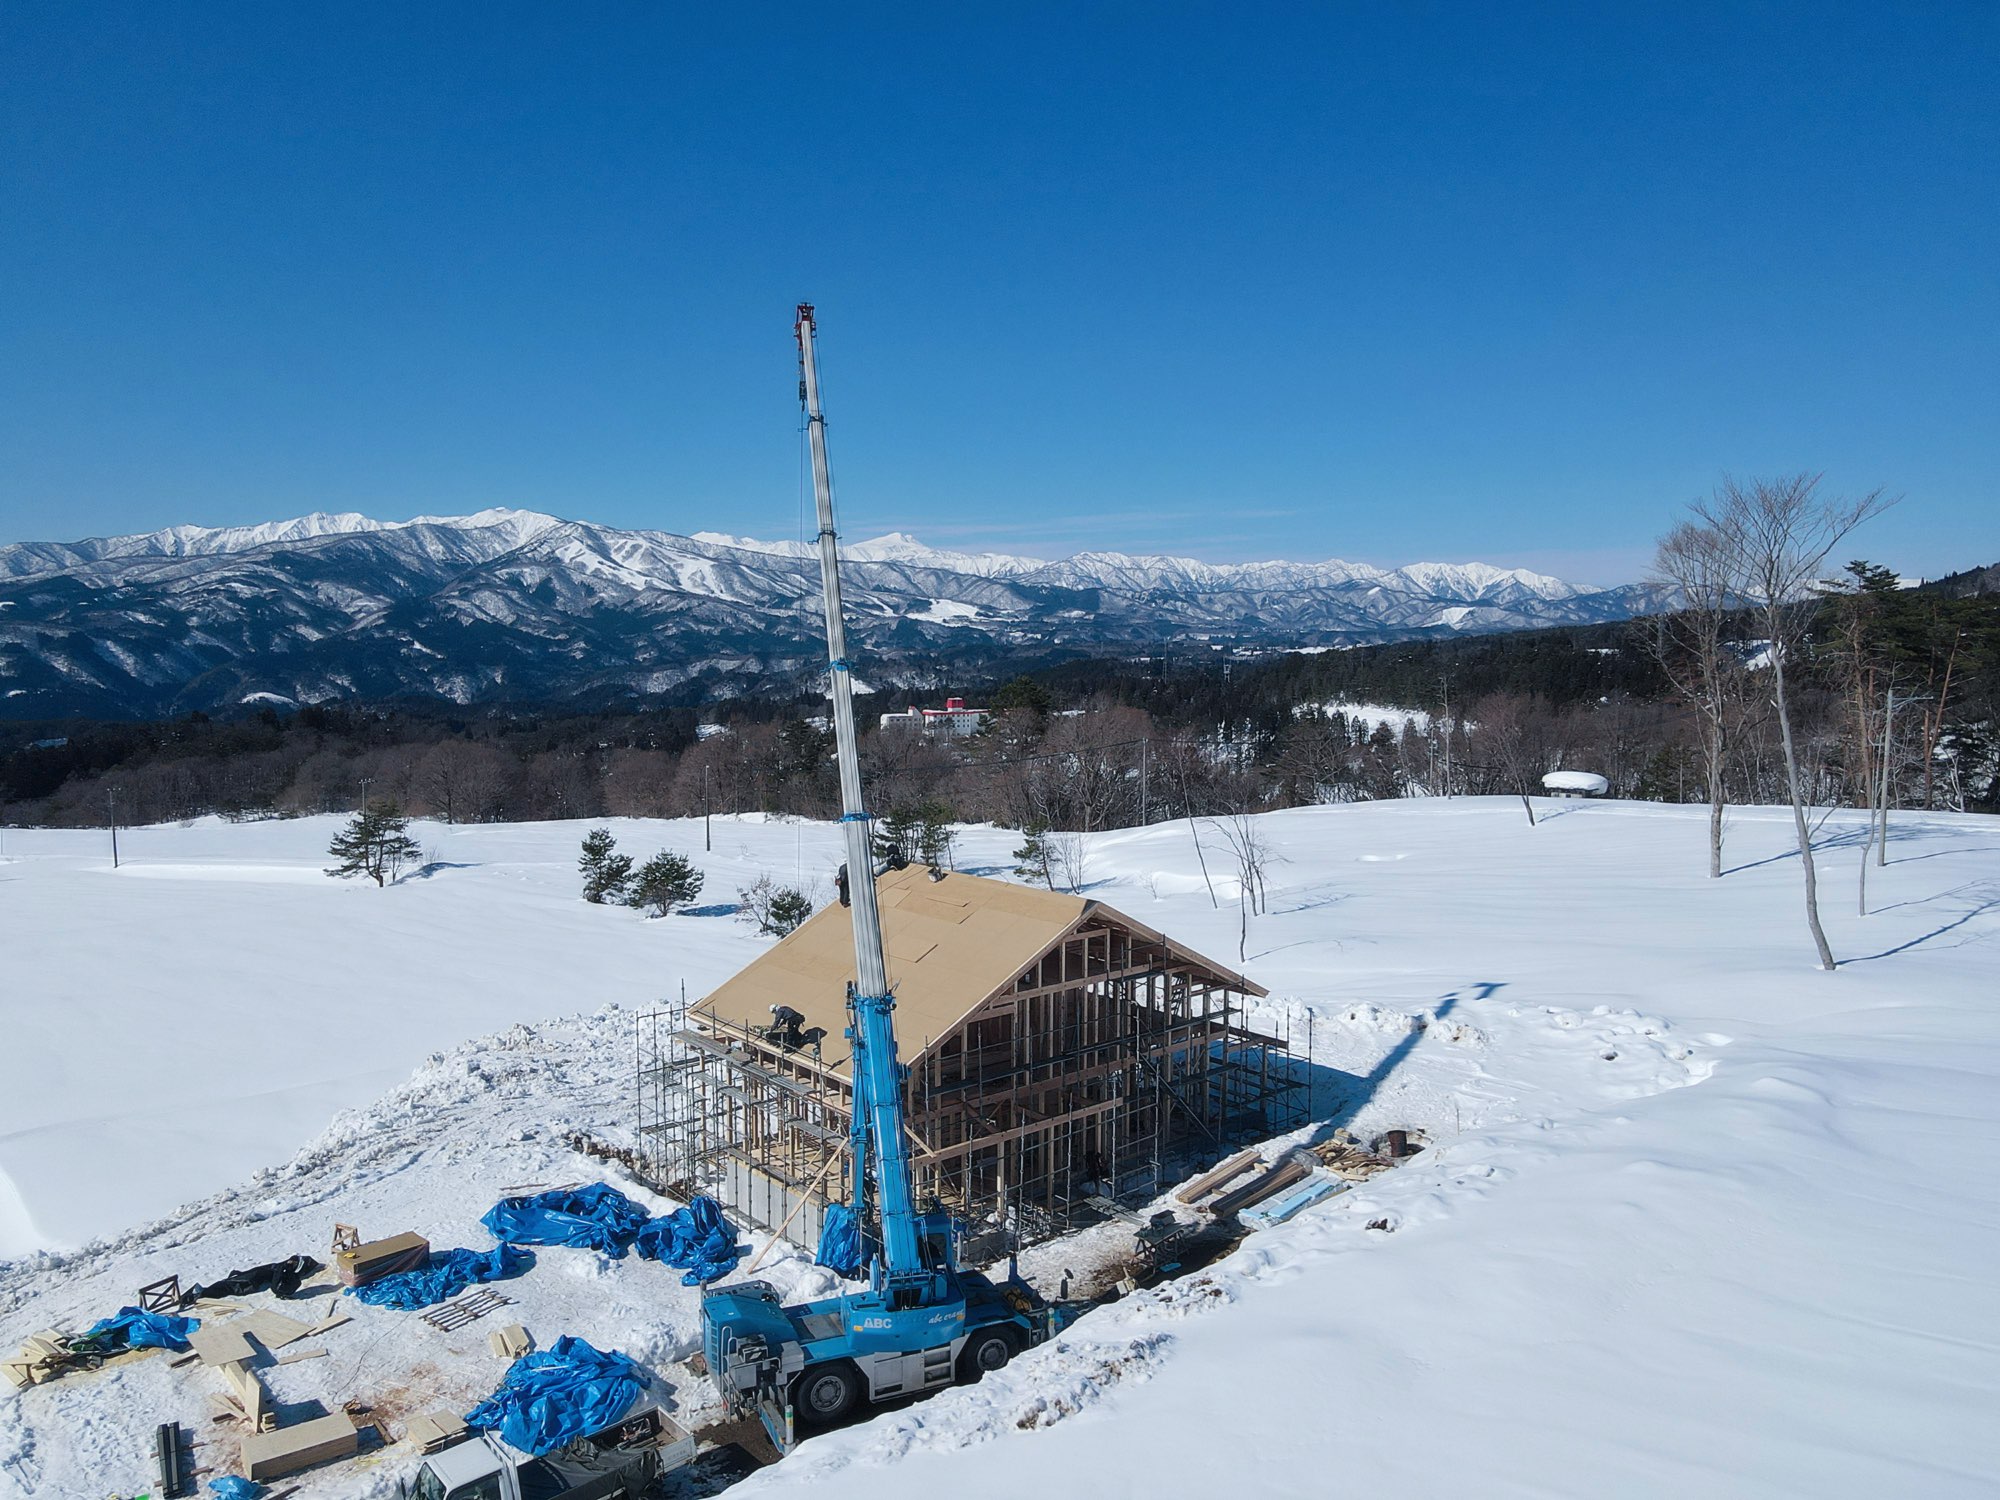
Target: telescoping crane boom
[919,1322]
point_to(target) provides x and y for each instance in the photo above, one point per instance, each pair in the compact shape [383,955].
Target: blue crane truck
[921,1322]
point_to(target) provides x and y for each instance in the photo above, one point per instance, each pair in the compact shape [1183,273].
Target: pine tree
[935,835]
[606,873]
[896,837]
[375,843]
[665,881]
[1034,860]
[776,909]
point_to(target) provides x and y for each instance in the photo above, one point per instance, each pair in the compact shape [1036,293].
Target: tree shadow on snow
[425,871]
[1985,899]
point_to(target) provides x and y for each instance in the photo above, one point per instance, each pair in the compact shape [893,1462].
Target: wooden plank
[1210,1180]
[273,1330]
[298,1354]
[1289,1169]
[221,1343]
[266,1455]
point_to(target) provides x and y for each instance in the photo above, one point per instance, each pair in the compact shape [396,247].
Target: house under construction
[1058,1053]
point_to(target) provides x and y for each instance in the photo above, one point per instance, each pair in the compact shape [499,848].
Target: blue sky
[1384,282]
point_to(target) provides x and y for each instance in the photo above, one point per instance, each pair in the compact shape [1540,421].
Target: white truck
[619,1463]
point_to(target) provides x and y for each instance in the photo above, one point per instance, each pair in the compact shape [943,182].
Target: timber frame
[1110,1059]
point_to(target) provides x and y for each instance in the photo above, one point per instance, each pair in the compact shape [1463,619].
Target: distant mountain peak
[515,605]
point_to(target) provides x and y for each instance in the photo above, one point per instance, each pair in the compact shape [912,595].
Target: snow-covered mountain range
[516,605]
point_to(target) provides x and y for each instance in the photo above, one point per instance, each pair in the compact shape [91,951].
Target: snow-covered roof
[1576,781]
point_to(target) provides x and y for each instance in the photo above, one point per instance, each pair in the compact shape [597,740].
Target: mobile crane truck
[921,1322]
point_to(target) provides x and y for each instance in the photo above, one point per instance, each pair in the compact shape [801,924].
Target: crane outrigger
[920,1322]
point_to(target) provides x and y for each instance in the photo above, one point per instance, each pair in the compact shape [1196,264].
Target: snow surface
[1697,1218]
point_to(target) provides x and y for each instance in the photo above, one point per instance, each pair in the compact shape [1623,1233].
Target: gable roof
[950,944]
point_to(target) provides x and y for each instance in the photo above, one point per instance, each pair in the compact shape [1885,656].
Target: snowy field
[1696,1218]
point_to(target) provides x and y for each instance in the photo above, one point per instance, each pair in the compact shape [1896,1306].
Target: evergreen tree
[606,873]
[896,837]
[776,909]
[665,881]
[934,835]
[1035,860]
[376,843]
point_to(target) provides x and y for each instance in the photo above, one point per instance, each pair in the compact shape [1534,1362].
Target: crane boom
[921,1322]
[879,1137]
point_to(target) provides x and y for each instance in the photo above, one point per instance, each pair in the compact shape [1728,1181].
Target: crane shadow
[1350,1093]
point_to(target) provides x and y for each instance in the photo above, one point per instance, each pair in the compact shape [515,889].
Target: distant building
[1575,784]
[953,718]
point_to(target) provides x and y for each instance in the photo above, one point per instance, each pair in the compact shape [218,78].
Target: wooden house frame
[1059,1055]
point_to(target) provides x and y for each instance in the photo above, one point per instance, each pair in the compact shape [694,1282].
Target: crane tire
[986,1351]
[826,1393]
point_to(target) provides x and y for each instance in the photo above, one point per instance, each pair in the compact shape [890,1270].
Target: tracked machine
[919,1322]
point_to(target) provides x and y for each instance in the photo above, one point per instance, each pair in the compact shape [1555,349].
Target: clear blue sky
[1386,282]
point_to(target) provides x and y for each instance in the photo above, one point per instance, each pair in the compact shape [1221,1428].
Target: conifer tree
[664,882]
[606,873]
[1035,860]
[376,843]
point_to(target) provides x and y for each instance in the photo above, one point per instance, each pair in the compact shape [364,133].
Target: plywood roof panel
[950,944]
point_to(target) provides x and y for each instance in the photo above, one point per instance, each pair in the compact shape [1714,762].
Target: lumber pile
[285,1450]
[360,1262]
[1293,1166]
[434,1431]
[1344,1157]
[43,1356]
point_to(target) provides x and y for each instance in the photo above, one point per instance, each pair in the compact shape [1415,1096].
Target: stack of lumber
[1293,1166]
[357,1265]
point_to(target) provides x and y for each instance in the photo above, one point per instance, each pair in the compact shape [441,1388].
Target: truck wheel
[826,1393]
[984,1353]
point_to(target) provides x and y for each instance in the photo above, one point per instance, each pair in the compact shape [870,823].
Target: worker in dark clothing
[785,1026]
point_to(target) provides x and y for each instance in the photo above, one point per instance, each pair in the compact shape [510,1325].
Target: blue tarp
[559,1394]
[840,1246]
[132,1329]
[445,1274]
[696,1238]
[597,1217]
[234,1487]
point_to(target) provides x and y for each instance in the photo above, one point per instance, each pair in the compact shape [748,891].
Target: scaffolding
[1109,1067]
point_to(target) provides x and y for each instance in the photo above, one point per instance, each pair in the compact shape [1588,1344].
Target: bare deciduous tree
[1771,538]
[1692,648]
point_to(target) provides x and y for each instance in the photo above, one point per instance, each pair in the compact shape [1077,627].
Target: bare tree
[1692,648]
[1254,857]
[1771,538]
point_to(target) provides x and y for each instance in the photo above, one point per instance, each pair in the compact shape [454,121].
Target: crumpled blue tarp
[559,1394]
[445,1274]
[234,1487]
[597,1217]
[696,1238]
[133,1329]
[840,1246]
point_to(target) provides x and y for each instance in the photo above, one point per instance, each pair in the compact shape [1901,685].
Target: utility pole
[111,796]
[366,782]
[1142,781]
[707,807]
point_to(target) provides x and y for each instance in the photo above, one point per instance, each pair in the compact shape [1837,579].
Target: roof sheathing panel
[951,944]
